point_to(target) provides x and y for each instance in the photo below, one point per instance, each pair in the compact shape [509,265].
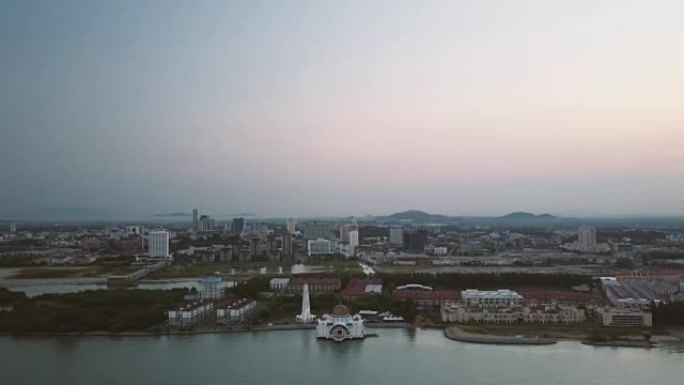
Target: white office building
[491,299]
[159,244]
[319,246]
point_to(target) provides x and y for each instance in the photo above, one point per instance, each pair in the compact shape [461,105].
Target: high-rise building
[316,230]
[353,238]
[238,226]
[195,219]
[587,238]
[158,241]
[396,237]
[290,225]
[13,227]
[349,233]
[288,245]
[206,223]
[415,240]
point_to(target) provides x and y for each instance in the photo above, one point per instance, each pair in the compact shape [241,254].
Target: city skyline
[127,109]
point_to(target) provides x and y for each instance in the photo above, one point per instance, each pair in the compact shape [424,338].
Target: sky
[324,108]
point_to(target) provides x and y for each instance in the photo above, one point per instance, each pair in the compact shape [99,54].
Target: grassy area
[94,310]
[581,331]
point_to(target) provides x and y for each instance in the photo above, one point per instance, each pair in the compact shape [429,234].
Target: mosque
[340,325]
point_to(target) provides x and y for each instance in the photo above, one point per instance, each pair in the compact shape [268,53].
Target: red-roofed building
[358,288]
[316,285]
[426,298]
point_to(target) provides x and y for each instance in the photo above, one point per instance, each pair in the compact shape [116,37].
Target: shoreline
[257,328]
[456,334]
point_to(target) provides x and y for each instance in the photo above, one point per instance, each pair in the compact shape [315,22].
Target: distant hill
[519,216]
[418,216]
[172,215]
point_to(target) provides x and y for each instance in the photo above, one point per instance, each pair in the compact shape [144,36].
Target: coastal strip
[456,334]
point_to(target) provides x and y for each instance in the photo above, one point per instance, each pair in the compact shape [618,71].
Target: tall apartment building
[206,223]
[586,238]
[195,219]
[290,225]
[238,226]
[158,241]
[396,237]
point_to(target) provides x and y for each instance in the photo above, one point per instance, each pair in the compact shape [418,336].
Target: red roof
[425,295]
[357,287]
[316,281]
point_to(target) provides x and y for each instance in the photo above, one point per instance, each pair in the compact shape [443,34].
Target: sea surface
[396,356]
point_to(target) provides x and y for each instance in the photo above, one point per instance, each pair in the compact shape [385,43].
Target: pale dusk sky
[298,108]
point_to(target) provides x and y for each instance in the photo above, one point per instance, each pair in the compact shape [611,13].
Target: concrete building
[189,315]
[623,251]
[557,314]
[319,247]
[314,230]
[279,284]
[586,239]
[158,242]
[610,316]
[134,230]
[315,285]
[235,312]
[290,225]
[491,299]
[415,240]
[625,295]
[13,227]
[340,325]
[238,226]
[211,288]
[195,219]
[288,245]
[205,223]
[396,237]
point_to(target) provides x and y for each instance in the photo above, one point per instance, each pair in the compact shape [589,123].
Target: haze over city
[305,108]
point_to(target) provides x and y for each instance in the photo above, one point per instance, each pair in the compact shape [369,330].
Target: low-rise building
[316,285]
[358,288]
[236,311]
[611,316]
[189,315]
[558,314]
[279,284]
[426,298]
[491,299]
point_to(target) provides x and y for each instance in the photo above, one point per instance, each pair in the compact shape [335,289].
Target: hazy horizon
[307,108]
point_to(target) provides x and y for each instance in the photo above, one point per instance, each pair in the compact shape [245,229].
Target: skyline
[342,108]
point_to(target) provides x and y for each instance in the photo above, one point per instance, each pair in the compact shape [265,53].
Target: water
[34,288]
[397,356]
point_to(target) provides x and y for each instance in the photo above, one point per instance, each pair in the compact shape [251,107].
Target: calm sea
[397,356]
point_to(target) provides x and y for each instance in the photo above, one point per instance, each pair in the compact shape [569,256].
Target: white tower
[306,316]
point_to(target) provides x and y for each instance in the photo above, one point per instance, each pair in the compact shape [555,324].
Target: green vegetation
[89,311]
[670,314]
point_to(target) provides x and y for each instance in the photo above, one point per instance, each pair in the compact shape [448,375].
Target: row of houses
[196,312]
[554,314]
